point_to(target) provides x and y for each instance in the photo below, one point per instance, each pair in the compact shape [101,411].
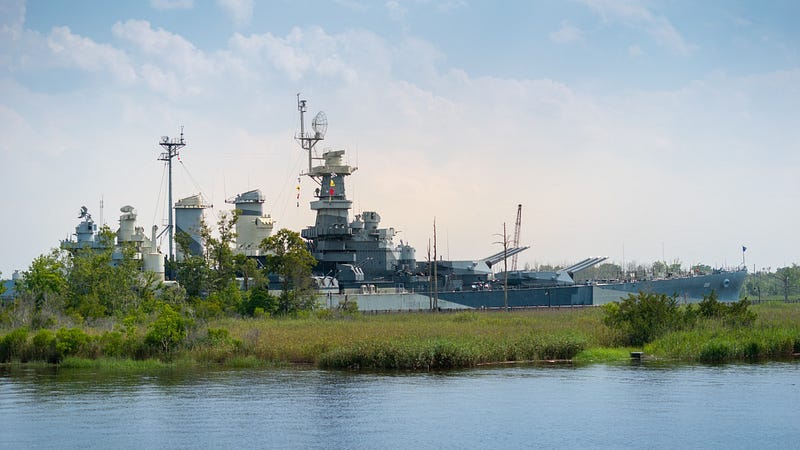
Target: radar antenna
[85,213]
[320,126]
[172,148]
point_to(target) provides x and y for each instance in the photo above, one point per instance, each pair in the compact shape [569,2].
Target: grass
[426,341]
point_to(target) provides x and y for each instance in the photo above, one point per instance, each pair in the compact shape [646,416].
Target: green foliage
[448,353]
[228,298]
[45,279]
[168,331]
[43,346]
[256,299]
[347,308]
[14,346]
[733,314]
[251,275]
[219,251]
[98,287]
[288,256]
[71,342]
[193,276]
[644,317]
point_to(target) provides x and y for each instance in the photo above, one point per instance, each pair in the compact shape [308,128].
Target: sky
[637,130]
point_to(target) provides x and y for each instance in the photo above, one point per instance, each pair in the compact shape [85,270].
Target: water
[733,406]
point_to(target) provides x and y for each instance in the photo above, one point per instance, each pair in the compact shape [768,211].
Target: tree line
[89,286]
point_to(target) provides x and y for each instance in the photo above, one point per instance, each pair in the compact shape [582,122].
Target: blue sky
[638,130]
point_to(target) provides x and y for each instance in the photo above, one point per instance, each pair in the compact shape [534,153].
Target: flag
[744,249]
[332,183]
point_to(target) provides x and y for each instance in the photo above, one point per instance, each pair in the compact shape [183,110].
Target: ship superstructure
[189,214]
[352,251]
[253,226]
[144,247]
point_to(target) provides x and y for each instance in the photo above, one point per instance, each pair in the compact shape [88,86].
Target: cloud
[634,14]
[566,34]
[635,51]
[593,170]
[172,4]
[240,11]
[75,51]
[12,17]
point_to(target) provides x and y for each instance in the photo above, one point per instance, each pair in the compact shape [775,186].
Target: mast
[309,140]
[172,148]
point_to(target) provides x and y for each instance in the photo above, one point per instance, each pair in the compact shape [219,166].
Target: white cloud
[172,4]
[635,14]
[75,51]
[566,34]
[593,171]
[12,17]
[635,51]
[240,11]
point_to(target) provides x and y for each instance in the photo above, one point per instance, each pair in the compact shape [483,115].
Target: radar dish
[320,124]
[164,139]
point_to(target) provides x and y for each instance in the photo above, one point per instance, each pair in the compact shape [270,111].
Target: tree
[675,267]
[168,330]
[219,252]
[248,269]
[643,317]
[659,268]
[45,279]
[701,269]
[192,272]
[789,277]
[100,286]
[289,257]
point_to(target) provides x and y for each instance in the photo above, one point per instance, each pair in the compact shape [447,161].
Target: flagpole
[744,249]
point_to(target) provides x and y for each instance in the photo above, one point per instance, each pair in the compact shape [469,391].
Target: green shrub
[70,342]
[112,344]
[43,346]
[14,346]
[715,351]
[168,331]
[644,317]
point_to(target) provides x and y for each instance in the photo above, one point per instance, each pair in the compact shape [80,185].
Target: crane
[517,226]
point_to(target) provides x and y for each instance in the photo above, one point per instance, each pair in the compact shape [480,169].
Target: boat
[359,257]
[364,260]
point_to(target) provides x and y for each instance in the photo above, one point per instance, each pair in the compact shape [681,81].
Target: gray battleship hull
[687,290]
[727,286]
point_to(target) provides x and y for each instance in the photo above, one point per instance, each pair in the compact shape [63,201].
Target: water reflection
[640,405]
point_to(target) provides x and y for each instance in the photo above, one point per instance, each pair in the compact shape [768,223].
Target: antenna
[172,148]
[320,126]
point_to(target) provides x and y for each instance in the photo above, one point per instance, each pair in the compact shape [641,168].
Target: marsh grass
[115,364]
[604,355]
[421,340]
[411,341]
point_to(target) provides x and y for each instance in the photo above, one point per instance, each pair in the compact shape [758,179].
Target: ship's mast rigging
[172,149]
[309,140]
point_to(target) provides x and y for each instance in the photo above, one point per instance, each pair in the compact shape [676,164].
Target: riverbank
[409,341]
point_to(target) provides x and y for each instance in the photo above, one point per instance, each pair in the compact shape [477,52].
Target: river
[595,406]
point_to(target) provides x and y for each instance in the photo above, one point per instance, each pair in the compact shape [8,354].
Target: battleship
[358,259]
[363,258]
